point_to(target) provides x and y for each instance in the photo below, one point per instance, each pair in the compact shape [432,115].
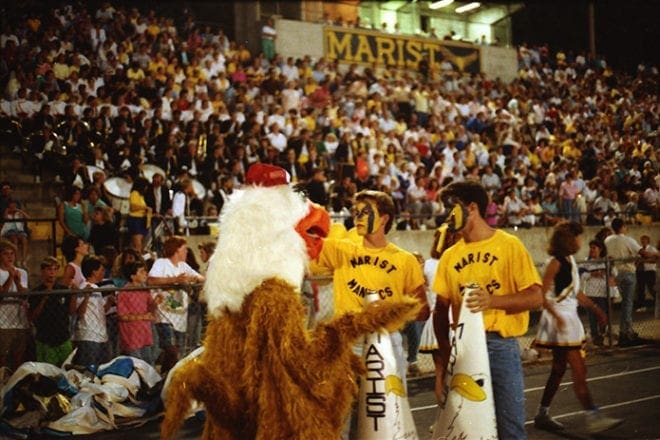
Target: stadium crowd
[117,88]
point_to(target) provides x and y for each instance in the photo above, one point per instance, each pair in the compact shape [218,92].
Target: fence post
[608,269]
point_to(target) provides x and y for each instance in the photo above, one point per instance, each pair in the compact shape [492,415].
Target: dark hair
[617,225]
[69,191]
[564,239]
[132,268]
[384,204]
[467,192]
[90,264]
[603,233]
[69,245]
[140,184]
[600,245]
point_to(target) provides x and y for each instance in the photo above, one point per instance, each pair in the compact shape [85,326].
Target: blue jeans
[413,332]
[626,283]
[570,210]
[508,386]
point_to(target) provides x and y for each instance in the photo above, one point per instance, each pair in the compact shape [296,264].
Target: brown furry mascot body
[264,376]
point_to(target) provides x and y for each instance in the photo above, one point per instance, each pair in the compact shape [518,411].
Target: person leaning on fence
[509,287]
[621,246]
[594,280]
[171,314]
[16,231]
[560,329]
[646,275]
[90,334]
[50,315]
[74,249]
[135,309]
[14,326]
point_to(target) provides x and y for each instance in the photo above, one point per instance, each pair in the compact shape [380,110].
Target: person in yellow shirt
[135,73]
[509,286]
[139,215]
[372,263]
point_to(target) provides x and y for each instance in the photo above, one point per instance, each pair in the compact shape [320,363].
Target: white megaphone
[383,409]
[467,409]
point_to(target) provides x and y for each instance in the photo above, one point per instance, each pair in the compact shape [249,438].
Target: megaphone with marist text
[383,409]
[467,409]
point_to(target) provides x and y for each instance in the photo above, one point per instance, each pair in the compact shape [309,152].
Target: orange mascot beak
[313,228]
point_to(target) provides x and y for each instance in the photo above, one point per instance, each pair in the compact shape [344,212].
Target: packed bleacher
[119,88]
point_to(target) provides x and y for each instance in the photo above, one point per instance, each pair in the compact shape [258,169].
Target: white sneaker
[596,422]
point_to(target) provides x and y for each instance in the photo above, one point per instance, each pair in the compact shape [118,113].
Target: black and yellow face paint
[367,219]
[457,216]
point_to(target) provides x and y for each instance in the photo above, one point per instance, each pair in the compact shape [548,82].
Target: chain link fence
[141,321]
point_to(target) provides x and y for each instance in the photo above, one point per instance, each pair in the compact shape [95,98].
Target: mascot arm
[340,333]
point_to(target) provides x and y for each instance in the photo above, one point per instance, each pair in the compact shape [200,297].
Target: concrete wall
[535,239]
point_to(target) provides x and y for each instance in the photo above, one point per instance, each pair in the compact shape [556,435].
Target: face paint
[457,217]
[367,219]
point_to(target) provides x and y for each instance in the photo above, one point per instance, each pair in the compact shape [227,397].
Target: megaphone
[383,409]
[467,408]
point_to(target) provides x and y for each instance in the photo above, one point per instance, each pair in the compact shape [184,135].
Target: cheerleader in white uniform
[560,328]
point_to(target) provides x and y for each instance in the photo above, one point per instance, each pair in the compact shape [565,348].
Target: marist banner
[400,51]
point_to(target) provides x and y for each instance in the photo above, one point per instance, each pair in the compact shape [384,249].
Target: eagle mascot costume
[262,374]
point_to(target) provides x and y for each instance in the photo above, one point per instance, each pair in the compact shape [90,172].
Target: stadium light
[440,4]
[468,7]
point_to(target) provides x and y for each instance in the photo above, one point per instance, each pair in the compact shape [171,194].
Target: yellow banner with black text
[400,51]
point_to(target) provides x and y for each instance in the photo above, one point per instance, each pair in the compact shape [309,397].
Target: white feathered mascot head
[267,230]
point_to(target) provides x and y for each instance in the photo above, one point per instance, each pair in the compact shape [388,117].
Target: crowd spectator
[139,214]
[171,314]
[15,332]
[72,214]
[91,334]
[15,229]
[135,310]
[621,246]
[50,316]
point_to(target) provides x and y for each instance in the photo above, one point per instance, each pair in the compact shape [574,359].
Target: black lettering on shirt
[472,258]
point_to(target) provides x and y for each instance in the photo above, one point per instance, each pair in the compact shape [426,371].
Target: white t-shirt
[91,326]
[13,314]
[622,246]
[174,309]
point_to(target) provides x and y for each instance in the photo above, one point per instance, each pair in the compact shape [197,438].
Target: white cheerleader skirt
[549,335]
[427,341]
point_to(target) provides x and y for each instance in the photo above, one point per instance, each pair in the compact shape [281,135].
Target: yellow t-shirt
[137,204]
[391,271]
[500,265]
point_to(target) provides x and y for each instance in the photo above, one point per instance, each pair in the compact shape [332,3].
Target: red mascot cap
[264,174]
